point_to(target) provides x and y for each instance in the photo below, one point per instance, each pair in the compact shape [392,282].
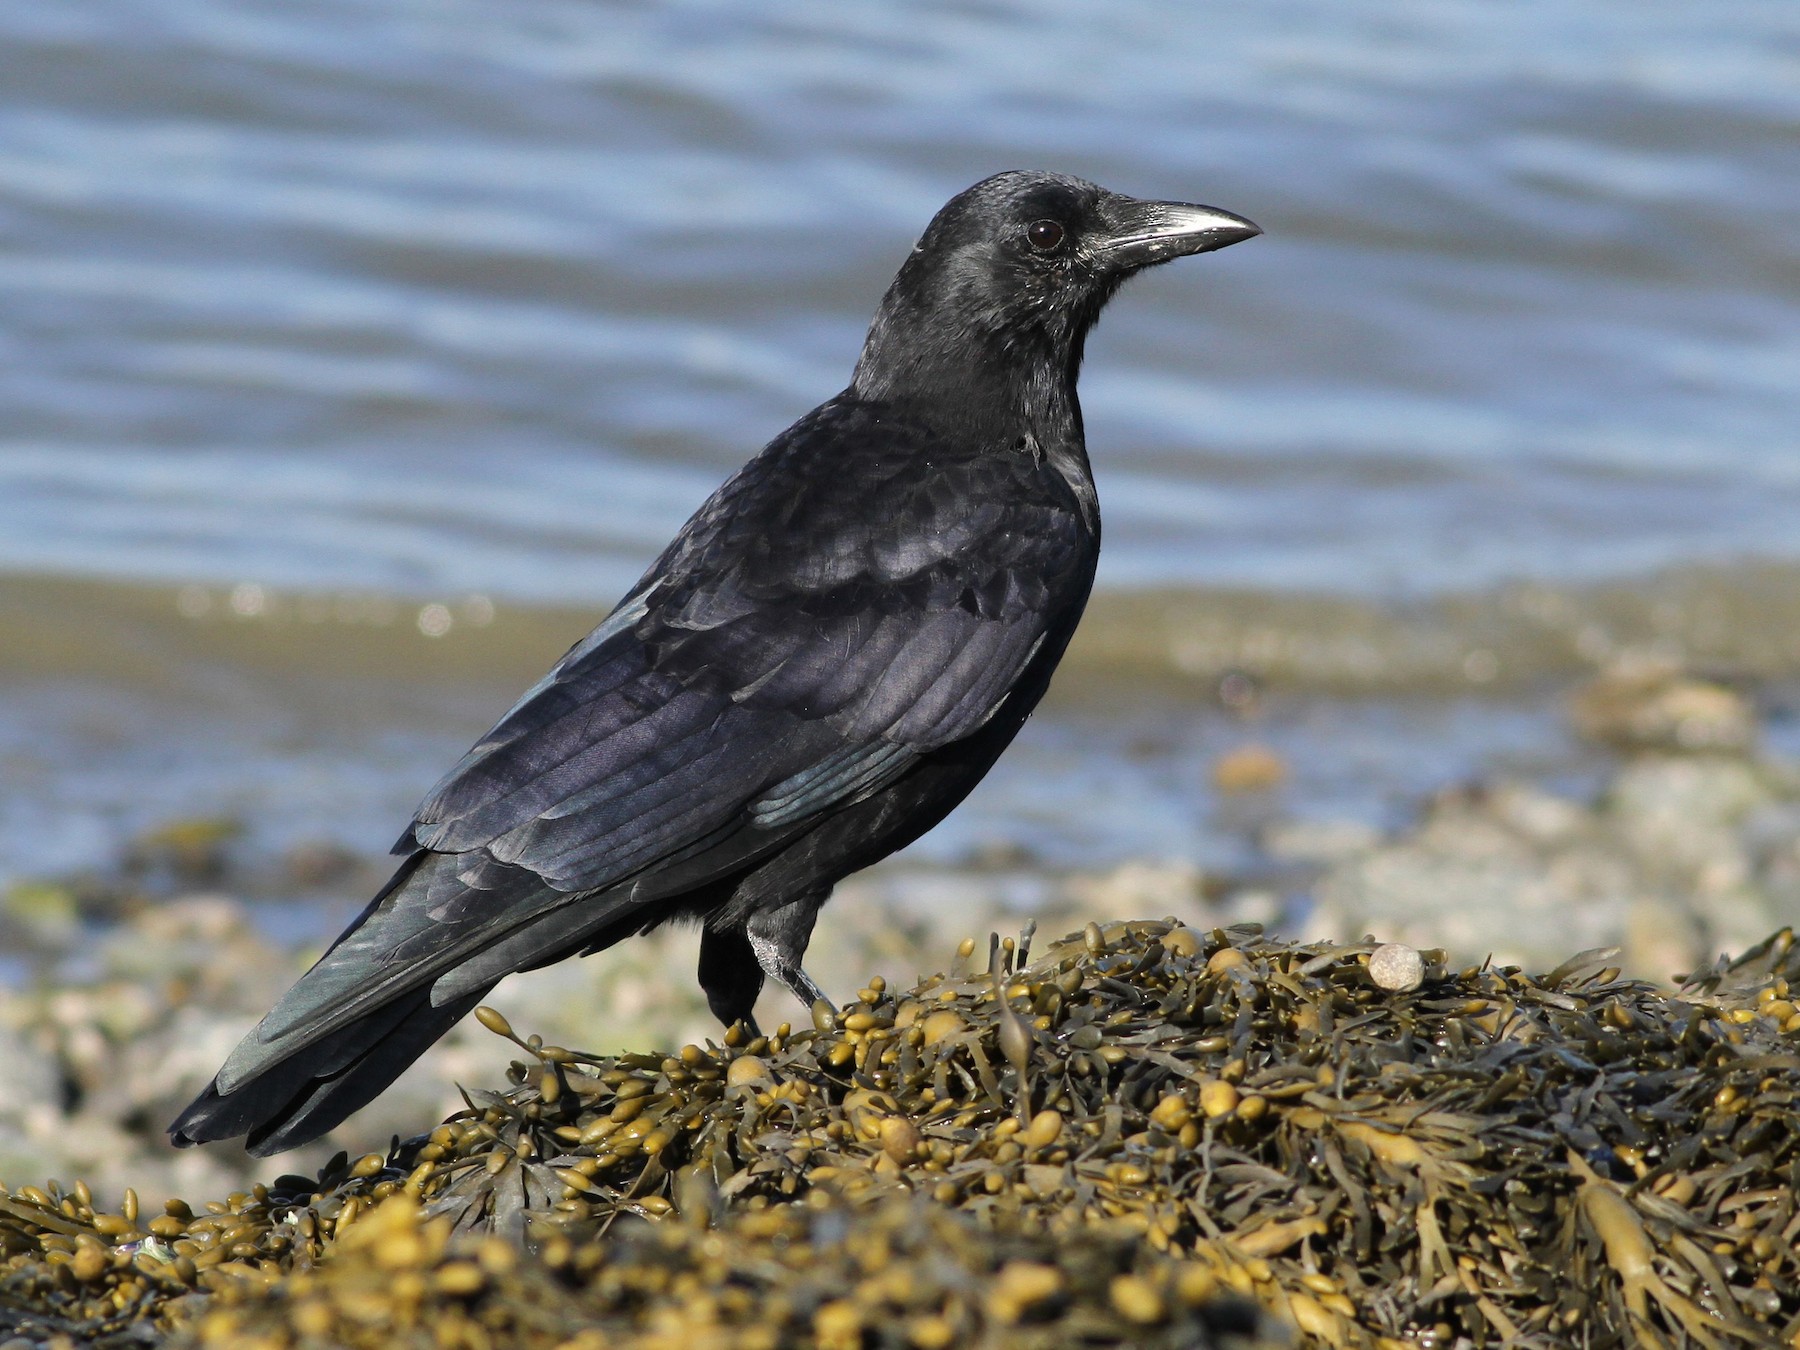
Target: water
[423,301]
[325,724]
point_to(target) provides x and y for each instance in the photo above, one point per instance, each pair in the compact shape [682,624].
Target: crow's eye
[1044,235]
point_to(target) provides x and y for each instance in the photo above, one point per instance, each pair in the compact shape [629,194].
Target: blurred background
[355,355]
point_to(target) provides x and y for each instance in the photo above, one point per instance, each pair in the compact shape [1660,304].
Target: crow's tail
[306,1094]
[282,1097]
[430,946]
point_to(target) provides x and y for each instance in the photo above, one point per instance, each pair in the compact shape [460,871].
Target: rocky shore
[133,983]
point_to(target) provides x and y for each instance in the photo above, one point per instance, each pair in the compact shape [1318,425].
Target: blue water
[431,297]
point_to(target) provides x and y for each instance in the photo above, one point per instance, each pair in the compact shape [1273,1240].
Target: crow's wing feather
[790,637]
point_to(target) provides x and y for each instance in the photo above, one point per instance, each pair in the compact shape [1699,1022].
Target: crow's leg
[734,960]
[779,937]
[730,975]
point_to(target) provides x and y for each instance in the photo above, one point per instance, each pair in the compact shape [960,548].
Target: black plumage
[824,662]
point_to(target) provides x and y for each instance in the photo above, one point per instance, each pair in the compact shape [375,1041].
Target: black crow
[824,662]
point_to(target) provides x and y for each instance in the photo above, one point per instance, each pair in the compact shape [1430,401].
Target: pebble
[1396,966]
[1250,768]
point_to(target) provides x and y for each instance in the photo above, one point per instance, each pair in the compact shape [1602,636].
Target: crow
[830,655]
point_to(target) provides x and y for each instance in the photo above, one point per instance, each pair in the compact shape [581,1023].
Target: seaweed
[1144,1121]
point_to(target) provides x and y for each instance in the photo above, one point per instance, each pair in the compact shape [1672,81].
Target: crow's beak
[1146,233]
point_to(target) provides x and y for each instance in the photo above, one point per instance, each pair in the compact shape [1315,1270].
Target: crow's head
[1016,269]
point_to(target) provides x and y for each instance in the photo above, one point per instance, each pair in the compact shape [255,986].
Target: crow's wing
[855,598]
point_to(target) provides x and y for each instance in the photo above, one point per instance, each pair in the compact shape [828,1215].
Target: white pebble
[1396,966]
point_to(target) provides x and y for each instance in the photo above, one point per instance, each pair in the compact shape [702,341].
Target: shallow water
[313,718]
[391,305]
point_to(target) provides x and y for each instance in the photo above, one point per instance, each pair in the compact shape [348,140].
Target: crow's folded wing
[816,628]
[828,618]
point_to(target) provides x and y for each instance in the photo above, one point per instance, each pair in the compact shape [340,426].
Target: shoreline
[133,979]
[1725,618]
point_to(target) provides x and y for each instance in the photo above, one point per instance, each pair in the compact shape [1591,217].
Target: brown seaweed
[1487,1159]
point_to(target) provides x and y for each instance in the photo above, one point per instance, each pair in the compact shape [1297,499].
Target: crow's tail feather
[301,1097]
[290,1081]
